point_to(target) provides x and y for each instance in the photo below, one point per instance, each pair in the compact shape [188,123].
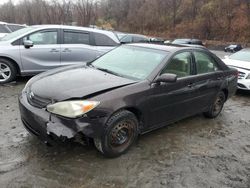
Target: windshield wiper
[107,70]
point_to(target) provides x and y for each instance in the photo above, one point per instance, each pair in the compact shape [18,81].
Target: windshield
[243,55]
[131,61]
[16,33]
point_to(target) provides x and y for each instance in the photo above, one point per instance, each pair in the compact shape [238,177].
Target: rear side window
[204,63]
[3,29]
[180,65]
[75,37]
[103,40]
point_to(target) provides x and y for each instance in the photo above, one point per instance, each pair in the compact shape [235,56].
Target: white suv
[241,61]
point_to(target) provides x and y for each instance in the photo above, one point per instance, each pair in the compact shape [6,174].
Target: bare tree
[208,19]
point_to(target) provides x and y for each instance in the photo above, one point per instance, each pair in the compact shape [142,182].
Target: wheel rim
[5,72]
[122,135]
[218,104]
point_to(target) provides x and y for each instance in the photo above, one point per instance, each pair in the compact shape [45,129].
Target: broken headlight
[72,109]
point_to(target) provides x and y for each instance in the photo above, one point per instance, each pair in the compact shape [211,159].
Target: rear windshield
[243,55]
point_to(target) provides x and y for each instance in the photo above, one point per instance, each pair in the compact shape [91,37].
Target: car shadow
[243,93]
[19,81]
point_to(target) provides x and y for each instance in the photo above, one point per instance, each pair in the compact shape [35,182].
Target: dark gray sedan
[129,91]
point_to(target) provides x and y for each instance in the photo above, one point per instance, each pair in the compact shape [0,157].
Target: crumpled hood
[74,82]
[237,63]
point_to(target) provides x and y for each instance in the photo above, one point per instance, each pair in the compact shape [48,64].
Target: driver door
[45,53]
[172,101]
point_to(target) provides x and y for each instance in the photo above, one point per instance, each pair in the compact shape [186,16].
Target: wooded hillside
[227,20]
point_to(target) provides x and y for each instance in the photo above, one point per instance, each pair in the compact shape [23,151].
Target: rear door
[45,54]
[76,47]
[208,79]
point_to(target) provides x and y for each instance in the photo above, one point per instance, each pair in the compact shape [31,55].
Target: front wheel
[120,133]
[8,71]
[217,106]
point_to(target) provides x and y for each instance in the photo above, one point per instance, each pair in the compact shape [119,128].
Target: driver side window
[43,37]
[180,65]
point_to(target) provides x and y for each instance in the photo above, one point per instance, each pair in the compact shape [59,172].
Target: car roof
[168,48]
[72,27]
[188,39]
[6,23]
[134,34]
[106,32]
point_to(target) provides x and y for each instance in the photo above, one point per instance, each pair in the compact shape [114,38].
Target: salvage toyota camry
[129,91]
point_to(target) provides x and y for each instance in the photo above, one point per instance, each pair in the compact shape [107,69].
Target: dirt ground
[195,152]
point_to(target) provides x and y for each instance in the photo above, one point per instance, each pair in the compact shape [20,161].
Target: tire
[121,131]
[217,106]
[8,71]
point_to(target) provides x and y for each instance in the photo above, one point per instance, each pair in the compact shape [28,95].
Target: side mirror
[167,78]
[28,44]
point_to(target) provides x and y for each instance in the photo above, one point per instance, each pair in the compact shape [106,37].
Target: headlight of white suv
[72,109]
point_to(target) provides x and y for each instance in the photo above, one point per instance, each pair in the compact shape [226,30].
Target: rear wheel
[217,106]
[8,71]
[120,133]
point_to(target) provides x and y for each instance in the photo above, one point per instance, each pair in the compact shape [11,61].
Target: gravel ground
[194,152]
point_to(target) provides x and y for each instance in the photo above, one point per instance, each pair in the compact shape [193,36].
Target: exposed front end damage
[60,130]
[52,129]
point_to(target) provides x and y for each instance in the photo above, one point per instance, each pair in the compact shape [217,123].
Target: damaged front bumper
[51,128]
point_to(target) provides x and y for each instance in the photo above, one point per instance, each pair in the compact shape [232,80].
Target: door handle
[54,50]
[191,85]
[66,50]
